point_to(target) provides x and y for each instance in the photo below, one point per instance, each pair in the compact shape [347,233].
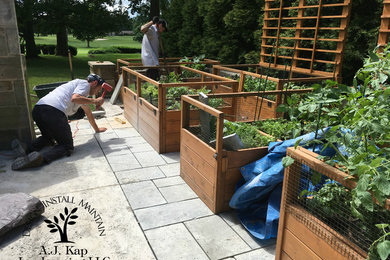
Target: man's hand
[101,130]
[99,102]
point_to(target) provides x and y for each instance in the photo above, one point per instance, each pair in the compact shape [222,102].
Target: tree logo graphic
[68,219]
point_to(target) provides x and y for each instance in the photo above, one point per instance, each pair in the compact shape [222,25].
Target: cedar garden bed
[157,117]
[254,77]
[312,224]
[206,164]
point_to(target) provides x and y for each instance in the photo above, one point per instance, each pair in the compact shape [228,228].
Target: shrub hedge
[114,49]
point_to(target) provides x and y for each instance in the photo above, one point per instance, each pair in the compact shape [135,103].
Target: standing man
[50,115]
[150,45]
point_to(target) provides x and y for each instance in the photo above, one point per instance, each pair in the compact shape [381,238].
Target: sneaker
[31,160]
[19,148]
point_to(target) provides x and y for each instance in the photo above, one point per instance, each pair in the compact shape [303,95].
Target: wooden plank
[198,145]
[198,162]
[172,140]
[129,99]
[244,156]
[202,184]
[207,200]
[285,256]
[295,248]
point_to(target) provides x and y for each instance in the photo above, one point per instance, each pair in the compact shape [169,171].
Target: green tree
[56,17]
[98,22]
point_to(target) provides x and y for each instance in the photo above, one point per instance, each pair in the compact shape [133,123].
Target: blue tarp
[257,198]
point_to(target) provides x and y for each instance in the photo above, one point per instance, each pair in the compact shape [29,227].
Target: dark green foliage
[249,134]
[50,49]
[362,35]
[114,49]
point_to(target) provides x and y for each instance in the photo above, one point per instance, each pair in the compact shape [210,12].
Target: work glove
[156,19]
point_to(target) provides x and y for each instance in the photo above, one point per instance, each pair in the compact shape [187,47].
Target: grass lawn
[50,68]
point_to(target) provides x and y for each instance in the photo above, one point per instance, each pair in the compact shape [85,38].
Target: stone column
[15,104]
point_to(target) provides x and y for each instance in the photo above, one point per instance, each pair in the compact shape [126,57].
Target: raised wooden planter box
[302,235]
[211,172]
[268,108]
[159,126]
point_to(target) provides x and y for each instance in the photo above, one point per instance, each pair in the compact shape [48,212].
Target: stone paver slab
[143,194]
[63,175]
[174,242]
[267,253]
[123,162]
[171,213]
[177,192]
[103,228]
[216,237]
[140,147]
[171,169]
[151,158]
[126,132]
[250,240]
[171,157]
[141,174]
[164,182]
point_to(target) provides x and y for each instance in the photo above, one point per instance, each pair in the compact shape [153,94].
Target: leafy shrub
[114,49]
[249,134]
[73,50]
[50,49]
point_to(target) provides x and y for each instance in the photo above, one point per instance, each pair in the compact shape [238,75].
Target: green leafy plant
[359,120]
[249,134]
[279,128]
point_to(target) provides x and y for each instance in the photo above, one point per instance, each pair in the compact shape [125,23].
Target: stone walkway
[116,198]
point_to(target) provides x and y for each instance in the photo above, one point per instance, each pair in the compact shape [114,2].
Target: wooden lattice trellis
[308,35]
[384,29]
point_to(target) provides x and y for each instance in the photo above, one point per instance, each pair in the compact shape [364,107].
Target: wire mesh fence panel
[320,202]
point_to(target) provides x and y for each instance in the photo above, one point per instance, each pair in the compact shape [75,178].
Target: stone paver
[171,169]
[141,174]
[143,194]
[267,253]
[171,213]
[151,158]
[123,162]
[174,242]
[216,237]
[171,157]
[177,192]
[164,182]
[250,240]
[103,228]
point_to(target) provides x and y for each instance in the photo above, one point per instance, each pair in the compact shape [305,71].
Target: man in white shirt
[50,115]
[150,45]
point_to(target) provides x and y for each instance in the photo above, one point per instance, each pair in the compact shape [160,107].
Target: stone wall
[15,104]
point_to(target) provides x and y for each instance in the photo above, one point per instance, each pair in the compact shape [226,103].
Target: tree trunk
[62,42]
[154,8]
[28,35]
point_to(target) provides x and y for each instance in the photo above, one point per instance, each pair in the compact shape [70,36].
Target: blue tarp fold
[257,198]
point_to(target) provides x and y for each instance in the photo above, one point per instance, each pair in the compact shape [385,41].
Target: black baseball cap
[93,77]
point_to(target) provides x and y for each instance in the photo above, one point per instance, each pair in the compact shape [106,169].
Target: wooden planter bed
[211,171]
[268,109]
[305,232]
[158,125]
